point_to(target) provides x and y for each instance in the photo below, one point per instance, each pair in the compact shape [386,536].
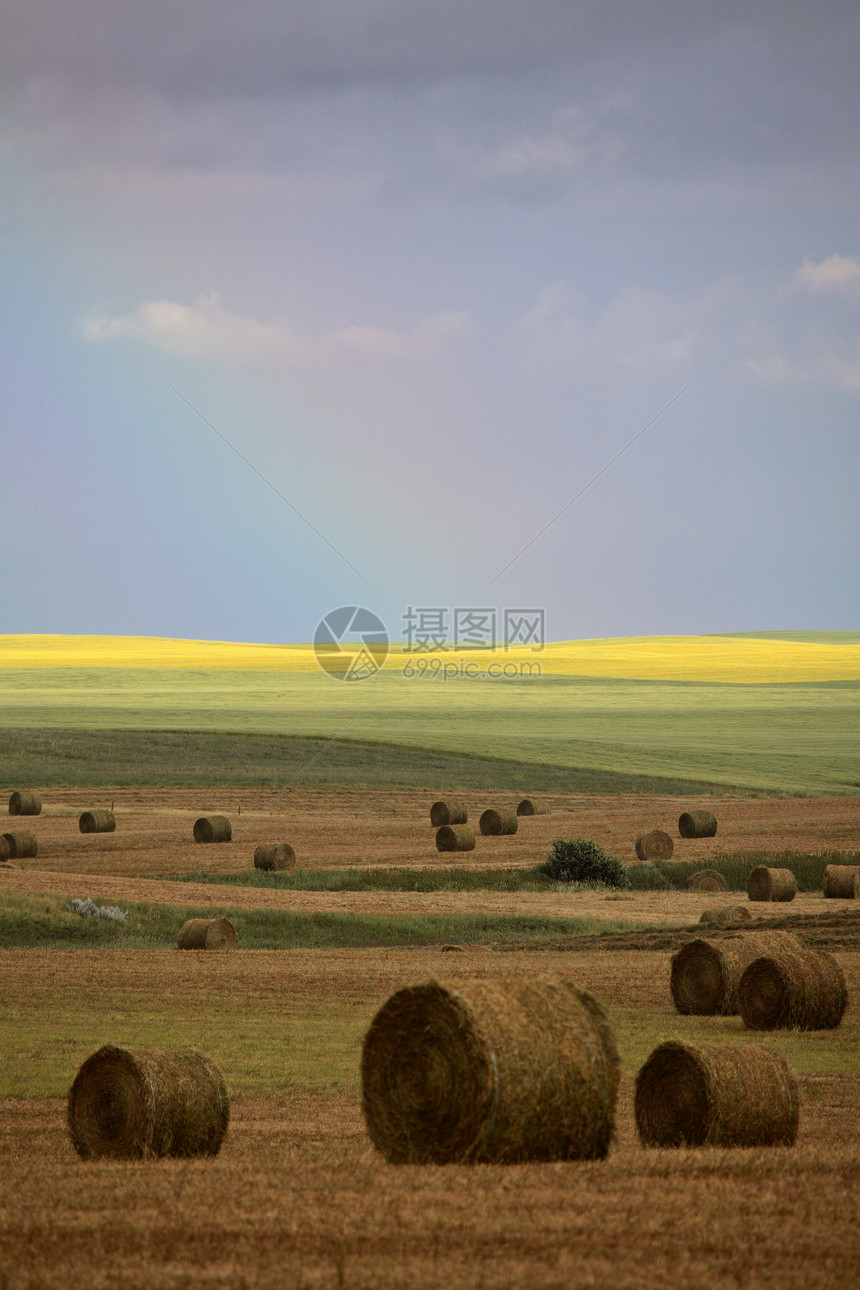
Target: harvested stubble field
[298,1198]
[341,828]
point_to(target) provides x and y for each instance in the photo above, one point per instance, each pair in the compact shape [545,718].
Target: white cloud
[839,368]
[734,325]
[803,348]
[839,274]
[639,333]
[777,369]
[208,331]
[843,370]
[575,137]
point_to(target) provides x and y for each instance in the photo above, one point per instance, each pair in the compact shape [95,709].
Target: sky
[474,303]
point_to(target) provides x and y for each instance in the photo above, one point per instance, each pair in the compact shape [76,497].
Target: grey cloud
[264,47]
[486,94]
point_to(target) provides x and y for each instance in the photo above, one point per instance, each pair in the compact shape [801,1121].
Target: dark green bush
[580,860]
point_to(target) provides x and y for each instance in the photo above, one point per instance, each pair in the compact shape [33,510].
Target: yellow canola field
[745,660]
[152,652]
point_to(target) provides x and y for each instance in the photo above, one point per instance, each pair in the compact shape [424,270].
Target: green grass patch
[28,922]
[284,1025]
[815,1052]
[271,1039]
[808,869]
[664,876]
[649,877]
[392,879]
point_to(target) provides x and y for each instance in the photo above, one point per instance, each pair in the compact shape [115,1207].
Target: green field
[275,1019]
[799,738]
[808,869]
[28,922]
[161,758]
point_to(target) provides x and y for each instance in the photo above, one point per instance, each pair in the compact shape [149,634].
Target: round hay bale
[529,807]
[455,837]
[842,881]
[697,824]
[212,828]
[4,849]
[706,880]
[274,856]
[25,802]
[716,1095]
[792,988]
[490,1071]
[97,822]
[448,813]
[130,1106]
[494,824]
[21,846]
[706,973]
[771,884]
[655,845]
[725,916]
[207,934]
